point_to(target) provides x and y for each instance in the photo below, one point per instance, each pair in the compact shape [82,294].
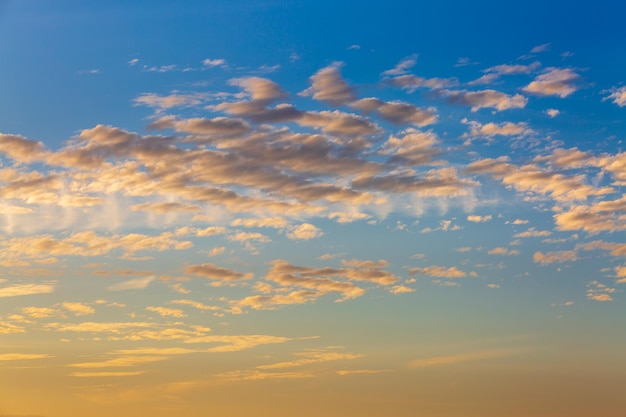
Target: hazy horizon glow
[252,208]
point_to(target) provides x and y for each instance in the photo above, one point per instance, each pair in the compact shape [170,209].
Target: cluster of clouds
[251,165]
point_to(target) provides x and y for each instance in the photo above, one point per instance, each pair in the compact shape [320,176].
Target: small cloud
[464,61]
[25,289]
[403,66]
[540,48]
[167,312]
[618,96]
[479,219]
[567,54]
[90,71]
[304,231]
[105,374]
[79,309]
[133,62]
[439,271]
[354,47]
[217,251]
[503,251]
[22,356]
[345,372]
[599,292]
[552,113]
[133,284]
[401,289]
[463,357]
[269,68]
[161,68]
[554,82]
[293,57]
[214,62]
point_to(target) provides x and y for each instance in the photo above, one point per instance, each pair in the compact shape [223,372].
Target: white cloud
[133,284]
[79,309]
[486,99]
[305,231]
[554,82]
[479,219]
[618,96]
[553,112]
[17,290]
[403,66]
[167,312]
[219,62]
[327,85]
[540,48]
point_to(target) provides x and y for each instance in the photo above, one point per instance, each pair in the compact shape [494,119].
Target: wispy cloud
[17,290]
[482,355]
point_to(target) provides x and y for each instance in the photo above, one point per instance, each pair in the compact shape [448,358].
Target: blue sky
[377,208]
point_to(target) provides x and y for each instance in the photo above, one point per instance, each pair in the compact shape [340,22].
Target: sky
[309,208]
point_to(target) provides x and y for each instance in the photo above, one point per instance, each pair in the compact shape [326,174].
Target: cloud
[303,284]
[486,99]
[532,232]
[552,257]
[167,312]
[401,289]
[540,48]
[165,207]
[215,272]
[618,96]
[225,126]
[21,149]
[537,180]
[120,362]
[413,147]
[503,251]
[602,216]
[439,271]
[495,72]
[170,101]
[39,312]
[344,372]
[236,343]
[311,358]
[554,82]
[397,112]
[273,222]
[219,62]
[196,304]
[105,374]
[328,86]
[493,129]
[479,219]
[553,112]
[305,231]
[133,284]
[403,66]
[464,357]
[260,90]
[412,82]
[79,309]
[23,356]
[17,290]
[599,292]
[256,375]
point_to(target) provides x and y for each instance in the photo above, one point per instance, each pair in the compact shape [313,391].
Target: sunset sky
[312,208]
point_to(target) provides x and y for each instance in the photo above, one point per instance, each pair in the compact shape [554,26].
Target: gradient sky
[312,208]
